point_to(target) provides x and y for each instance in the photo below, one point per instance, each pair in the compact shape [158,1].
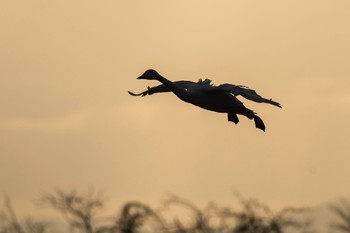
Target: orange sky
[66,119]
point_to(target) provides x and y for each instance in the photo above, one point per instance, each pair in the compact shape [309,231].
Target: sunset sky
[67,121]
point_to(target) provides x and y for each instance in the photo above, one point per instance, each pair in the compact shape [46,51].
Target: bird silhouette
[206,95]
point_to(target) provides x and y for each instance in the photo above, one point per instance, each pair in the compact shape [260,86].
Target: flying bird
[206,95]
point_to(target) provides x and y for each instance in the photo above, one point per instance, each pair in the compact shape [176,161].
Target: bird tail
[259,123]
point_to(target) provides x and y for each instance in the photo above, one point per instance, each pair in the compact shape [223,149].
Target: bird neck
[178,91]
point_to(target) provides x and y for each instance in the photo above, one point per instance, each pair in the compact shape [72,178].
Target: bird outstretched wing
[151,90]
[245,92]
[162,88]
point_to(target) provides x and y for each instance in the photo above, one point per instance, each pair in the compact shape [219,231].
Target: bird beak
[141,77]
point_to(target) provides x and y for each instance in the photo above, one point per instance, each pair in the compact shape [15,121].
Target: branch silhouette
[82,212]
[341,209]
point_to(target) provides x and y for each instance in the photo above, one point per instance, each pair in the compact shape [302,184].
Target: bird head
[149,75]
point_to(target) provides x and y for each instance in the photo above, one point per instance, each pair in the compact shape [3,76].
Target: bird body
[205,95]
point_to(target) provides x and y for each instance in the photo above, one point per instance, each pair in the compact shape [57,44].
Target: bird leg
[259,123]
[232,117]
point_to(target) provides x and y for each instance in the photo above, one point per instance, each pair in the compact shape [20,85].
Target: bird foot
[232,117]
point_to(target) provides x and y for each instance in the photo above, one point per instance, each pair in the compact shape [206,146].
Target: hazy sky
[66,119]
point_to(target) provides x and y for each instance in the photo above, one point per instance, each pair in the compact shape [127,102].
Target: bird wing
[162,88]
[151,90]
[245,92]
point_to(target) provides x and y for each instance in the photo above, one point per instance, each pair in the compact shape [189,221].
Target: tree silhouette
[254,218]
[257,217]
[82,212]
[200,218]
[10,224]
[341,209]
[135,214]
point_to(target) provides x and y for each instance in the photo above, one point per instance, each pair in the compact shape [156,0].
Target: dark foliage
[342,210]
[83,214]
[10,224]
